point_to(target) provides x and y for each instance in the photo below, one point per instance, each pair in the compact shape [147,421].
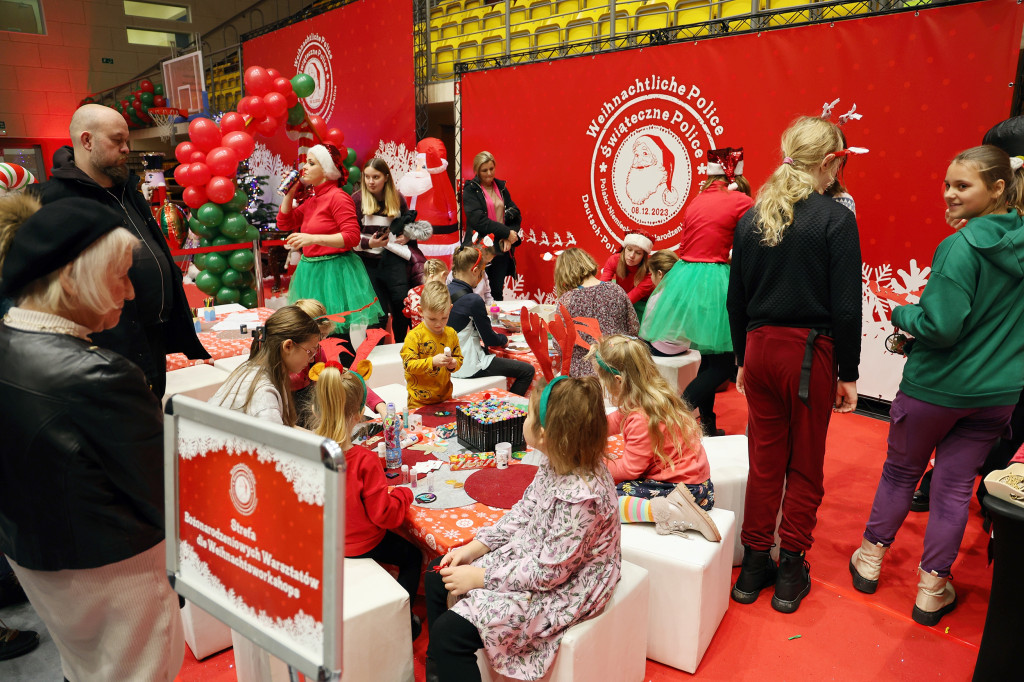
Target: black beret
[1008,136]
[51,238]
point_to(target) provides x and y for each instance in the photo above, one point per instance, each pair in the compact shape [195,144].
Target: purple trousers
[961,438]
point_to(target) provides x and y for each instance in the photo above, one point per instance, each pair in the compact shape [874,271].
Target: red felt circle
[431,419]
[500,487]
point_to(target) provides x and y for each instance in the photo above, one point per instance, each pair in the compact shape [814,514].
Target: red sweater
[329,210]
[639,461]
[709,223]
[637,292]
[369,508]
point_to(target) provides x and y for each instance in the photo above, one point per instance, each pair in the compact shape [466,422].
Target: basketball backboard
[185,82]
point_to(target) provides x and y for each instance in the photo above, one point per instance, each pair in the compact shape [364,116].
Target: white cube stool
[393,393]
[376,618]
[609,646]
[679,370]
[229,365]
[466,386]
[204,634]
[199,382]
[730,466]
[689,581]
[387,365]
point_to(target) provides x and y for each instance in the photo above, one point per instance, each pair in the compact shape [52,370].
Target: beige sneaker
[935,598]
[677,513]
[866,566]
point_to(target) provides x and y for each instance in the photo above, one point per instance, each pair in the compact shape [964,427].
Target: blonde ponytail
[338,402]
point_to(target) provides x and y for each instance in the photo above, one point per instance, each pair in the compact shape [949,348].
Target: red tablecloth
[219,345]
[441,530]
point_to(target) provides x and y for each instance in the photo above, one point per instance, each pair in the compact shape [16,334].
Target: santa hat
[640,240]
[668,160]
[330,159]
[13,177]
[726,161]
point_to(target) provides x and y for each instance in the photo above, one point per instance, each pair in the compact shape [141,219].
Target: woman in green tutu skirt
[325,227]
[689,302]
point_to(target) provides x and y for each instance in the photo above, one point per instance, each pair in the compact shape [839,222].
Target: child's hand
[465,554]
[440,360]
[955,223]
[461,579]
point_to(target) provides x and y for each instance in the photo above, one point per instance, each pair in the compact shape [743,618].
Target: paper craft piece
[535,333]
[233,321]
[500,487]
[888,293]
[448,495]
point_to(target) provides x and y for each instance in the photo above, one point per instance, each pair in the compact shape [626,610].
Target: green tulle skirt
[340,283]
[689,303]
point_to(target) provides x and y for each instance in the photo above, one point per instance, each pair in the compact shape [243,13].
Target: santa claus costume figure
[437,204]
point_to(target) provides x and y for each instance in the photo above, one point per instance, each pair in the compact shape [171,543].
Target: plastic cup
[502,454]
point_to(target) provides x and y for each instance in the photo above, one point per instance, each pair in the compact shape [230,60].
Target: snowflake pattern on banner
[307,478]
[265,162]
[880,370]
[301,628]
[399,159]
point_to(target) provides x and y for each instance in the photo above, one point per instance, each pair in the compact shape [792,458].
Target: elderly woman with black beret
[81,458]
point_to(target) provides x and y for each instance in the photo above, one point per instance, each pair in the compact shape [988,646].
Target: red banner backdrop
[361,57]
[566,135]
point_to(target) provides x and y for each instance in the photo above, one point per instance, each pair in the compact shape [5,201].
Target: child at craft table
[371,511]
[430,352]
[552,561]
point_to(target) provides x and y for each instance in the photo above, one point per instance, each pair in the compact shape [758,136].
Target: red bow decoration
[728,158]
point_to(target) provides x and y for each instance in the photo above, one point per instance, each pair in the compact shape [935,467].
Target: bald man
[158,321]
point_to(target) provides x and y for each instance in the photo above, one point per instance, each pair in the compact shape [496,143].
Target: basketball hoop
[164,118]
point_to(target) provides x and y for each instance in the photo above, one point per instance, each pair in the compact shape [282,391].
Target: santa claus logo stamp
[650,141]
[314,58]
[243,489]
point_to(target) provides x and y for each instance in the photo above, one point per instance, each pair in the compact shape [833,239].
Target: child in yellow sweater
[428,368]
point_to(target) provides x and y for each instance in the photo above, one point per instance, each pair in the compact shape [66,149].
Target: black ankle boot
[793,582]
[756,573]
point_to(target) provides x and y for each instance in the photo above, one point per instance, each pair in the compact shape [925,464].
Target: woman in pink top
[329,271]
[663,475]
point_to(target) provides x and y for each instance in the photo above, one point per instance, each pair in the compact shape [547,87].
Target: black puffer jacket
[146,344]
[478,225]
[81,456]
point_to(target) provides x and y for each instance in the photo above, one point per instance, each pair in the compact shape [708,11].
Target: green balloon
[202,229]
[228,295]
[354,174]
[210,214]
[231,278]
[233,225]
[216,263]
[205,242]
[147,99]
[303,84]
[208,282]
[350,158]
[238,202]
[158,89]
[248,278]
[251,234]
[296,114]
[348,187]
[248,298]
[222,241]
[241,260]
[199,260]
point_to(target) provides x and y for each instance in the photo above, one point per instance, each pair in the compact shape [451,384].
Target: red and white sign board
[256,529]
[594,146]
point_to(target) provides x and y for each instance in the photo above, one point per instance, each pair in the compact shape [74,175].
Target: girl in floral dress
[552,561]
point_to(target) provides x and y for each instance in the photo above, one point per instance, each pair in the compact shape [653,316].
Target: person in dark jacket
[81,459]
[492,215]
[158,321]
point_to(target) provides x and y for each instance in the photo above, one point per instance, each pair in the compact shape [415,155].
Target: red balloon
[159,101]
[291,98]
[181,174]
[241,142]
[335,137]
[137,105]
[199,173]
[197,156]
[220,189]
[194,196]
[277,105]
[257,81]
[319,125]
[222,161]
[205,133]
[125,103]
[253,106]
[268,126]
[183,152]
[231,121]
[282,85]
[274,73]
[137,95]
[146,85]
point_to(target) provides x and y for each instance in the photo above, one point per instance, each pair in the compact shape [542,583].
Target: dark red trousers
[787,437]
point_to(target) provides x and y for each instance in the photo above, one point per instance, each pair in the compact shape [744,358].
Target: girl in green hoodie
[963,376]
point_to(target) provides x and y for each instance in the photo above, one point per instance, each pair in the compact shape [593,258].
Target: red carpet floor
[838,633]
